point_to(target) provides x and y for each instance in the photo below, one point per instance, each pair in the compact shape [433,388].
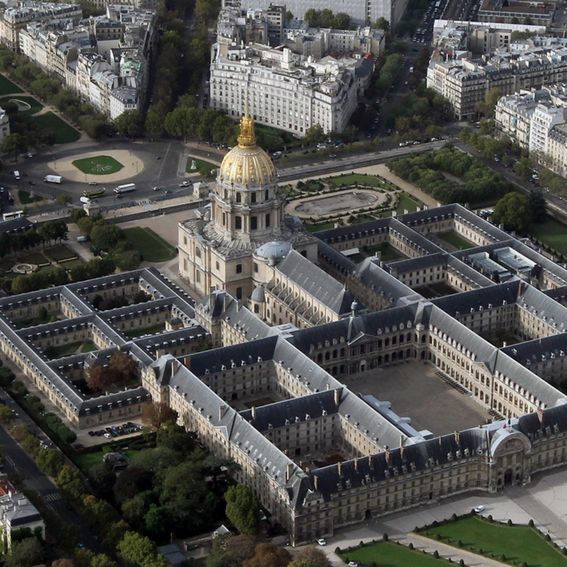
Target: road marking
[10,461]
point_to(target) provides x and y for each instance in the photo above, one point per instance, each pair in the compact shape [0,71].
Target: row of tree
[52,91]
[428,171]
[46,233]
[109,238]
[327,19]
[516,211]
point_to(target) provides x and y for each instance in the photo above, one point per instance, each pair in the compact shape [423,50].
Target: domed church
[237,244]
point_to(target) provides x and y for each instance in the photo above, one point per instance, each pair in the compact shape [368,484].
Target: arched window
[238,198]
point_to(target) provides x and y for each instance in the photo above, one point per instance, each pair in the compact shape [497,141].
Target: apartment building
[465,81]
[299,83]
[536,120]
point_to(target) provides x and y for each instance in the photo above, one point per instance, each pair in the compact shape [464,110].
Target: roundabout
[97,166]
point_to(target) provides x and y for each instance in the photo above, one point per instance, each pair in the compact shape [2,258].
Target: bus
[97,193]
[125,188]
[13,215]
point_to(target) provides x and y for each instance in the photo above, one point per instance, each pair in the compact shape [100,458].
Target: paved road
[20,464]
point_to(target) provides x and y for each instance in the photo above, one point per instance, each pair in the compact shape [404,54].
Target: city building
[361,12]
[465,81]
[106,62]
[536,121]
[14,18]
[517,11]
[343,390]
[478,37]
[17,513]
[311,77]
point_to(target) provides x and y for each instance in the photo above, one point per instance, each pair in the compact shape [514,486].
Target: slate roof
[20,224]
[317,283]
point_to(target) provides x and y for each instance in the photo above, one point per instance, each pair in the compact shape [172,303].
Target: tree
[523,167]
[157,414]
[103,478]
[490,100]
[130,124]
[135,549]
[242,509]
[154,124]
[15,143]
[187,497]
[310,557]
[174,437]
[314,134]
[136,480]
[512,212]
[106,236]
[268,555]
[63,199]
[69,481]
[50,461]
[25,553]
[536,206]
[6,415]
[382,24]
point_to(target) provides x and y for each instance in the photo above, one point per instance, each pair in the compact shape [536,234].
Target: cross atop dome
[247,136]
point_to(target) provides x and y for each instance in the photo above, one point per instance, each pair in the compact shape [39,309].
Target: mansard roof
[317,283]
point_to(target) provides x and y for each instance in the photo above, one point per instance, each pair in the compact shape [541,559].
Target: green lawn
[152,247]
[59,252]
[352,178]
[86,460]
[319,226]
[387,252]
[26,197]
[63,132]
[552,233]
[138,332]
[388,554]
[518,543]
[406,203]
[35,105]
[70,264]
[455,240]
[7,87]
[98,165]
[33,258]
[203,167]
[59,351]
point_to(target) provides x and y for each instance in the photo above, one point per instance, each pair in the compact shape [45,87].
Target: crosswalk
[51,497]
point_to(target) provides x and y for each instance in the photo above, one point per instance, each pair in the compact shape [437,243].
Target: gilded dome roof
[247,164]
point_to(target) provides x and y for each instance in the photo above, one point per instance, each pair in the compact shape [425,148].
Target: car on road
[184,184]
[352,564]
[478,509]
[157,188]
[322,542]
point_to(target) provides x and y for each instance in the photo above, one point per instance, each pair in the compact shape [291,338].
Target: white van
[17,174]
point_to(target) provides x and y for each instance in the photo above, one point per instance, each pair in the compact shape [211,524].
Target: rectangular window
[238,268]
[268,220]
[238,223]
[253,223]
[238,293]
[253,198]
[255,267]
[217,265]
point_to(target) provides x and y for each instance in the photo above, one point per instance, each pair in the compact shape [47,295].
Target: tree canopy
[242,509]
[512,212]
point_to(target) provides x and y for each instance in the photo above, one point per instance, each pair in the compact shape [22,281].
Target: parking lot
[116,431]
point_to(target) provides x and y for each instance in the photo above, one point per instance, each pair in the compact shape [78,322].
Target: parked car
[478,509]
[322,542]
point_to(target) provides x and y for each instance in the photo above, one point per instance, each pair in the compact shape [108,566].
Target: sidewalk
[448,551]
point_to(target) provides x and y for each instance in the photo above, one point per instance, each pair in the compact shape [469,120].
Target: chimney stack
[337,397]
[340,468]
[253,410]
[316,482]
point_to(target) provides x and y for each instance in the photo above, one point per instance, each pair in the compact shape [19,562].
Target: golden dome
[247,164]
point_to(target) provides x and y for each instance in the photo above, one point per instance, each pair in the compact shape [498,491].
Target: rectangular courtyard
[416,391]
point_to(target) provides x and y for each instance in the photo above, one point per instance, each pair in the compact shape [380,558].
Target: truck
[53,179]
[125,188]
